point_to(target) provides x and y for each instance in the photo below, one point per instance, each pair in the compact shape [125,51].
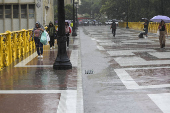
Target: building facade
[22,14]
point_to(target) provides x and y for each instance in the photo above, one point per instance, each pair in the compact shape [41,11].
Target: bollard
[1,52]
[8,49]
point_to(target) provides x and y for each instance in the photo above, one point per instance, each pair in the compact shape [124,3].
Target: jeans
[67,35]
[51,41]
[162,39]
[114,32]
[38,45]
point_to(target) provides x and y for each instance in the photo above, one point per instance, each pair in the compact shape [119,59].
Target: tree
[69,12]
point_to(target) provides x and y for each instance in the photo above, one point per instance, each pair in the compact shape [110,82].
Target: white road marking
[73,60]
[137,61]
[27,60]
[126,79]
[162,101]
[67,103]
[130,83]
[127,52]
[100,47]
[160,54]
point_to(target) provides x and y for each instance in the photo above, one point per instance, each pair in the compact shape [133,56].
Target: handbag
[43,39]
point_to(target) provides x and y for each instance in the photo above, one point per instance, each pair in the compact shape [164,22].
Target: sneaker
[41,56]
[53,46]
[50,47]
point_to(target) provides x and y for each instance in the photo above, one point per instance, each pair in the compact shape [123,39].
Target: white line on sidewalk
[130,83]
[73,60]
[67,103]
[162,101]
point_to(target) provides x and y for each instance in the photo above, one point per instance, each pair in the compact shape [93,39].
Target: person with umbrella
[162,29]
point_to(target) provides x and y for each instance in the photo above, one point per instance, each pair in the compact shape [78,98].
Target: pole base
[127,27]
[74,34]
[62,65]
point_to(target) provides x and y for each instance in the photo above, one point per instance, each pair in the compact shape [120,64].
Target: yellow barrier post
[8,50]
[14,46]
[1,52]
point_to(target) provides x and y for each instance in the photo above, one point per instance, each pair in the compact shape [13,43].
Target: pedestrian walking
[113,27]
[67,31]
[162,29]
[36,34]
[51,31]
[146,24]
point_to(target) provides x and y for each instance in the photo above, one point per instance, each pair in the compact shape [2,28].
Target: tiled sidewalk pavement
[140,64]
[31,85]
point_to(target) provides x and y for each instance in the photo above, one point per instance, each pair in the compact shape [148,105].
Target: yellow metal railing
[153,27]
[14,45]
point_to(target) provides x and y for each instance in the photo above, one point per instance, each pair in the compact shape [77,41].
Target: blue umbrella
[159,18]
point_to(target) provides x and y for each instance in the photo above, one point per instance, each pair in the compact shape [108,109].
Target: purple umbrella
[159,18]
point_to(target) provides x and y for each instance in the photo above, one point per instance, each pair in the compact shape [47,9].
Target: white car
[109,22]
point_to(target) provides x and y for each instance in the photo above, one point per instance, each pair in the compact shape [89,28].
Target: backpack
[113,25]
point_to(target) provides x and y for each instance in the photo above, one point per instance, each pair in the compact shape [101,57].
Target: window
[1,11]
[7,11]
[31,10]
[15,11]
[23,11]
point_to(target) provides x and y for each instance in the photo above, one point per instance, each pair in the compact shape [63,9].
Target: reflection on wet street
[129,75]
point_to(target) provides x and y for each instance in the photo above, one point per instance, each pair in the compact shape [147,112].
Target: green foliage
[90,7]
[137,9]
[69,12]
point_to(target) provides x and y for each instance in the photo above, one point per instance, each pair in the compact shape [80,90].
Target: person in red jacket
[67,31]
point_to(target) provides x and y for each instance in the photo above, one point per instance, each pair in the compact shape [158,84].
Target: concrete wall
[16,24]
[11,1]
[39,15]
[2,24]
[23,24]
[8,24]
[27,1]
[32,23]
[39,11]
[48,14]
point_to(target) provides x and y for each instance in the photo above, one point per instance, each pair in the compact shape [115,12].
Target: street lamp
[76,14]
[127,27]
[62,61]
[74,31]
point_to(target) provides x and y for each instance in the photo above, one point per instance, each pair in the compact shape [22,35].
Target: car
[109,22]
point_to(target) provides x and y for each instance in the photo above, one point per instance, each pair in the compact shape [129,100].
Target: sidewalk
[31,85]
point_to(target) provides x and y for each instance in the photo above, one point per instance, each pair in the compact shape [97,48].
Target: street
[131,75]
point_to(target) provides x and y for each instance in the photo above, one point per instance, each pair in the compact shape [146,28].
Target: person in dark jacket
[36,34]
[51,31]
[113,27]
[162,29]
[146,24]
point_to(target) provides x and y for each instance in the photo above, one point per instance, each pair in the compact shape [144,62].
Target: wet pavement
[128,75]
[131,75]
[31,85]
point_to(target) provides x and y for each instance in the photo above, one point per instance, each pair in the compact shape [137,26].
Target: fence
[153,27]
[14,45]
